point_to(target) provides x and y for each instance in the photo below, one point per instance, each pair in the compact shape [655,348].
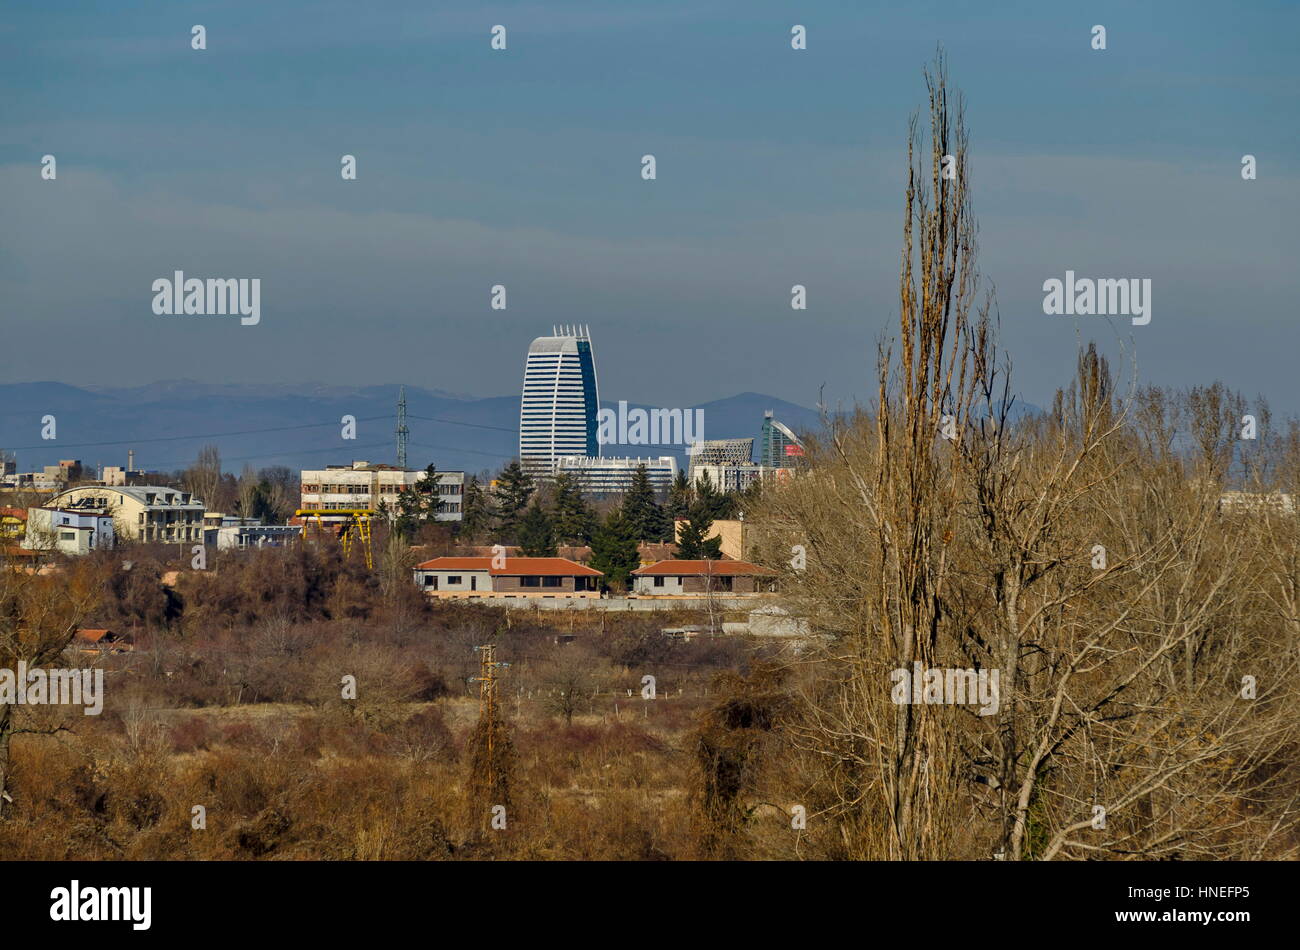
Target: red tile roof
[91,634]
[705,568]
[20,553]
[514,566]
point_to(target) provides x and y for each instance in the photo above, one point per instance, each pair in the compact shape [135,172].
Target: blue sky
[521,167]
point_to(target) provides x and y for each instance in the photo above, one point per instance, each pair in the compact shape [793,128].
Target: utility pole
[403,433]
[487,691]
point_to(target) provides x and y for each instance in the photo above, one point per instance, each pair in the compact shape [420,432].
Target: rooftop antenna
[402,431]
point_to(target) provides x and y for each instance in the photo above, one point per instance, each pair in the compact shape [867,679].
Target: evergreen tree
[476,514]
[514,489]
[715,503]
[642,511]
[536,533]
[614,551]
[679,497]
[694,543]
[574,521]
[417,503]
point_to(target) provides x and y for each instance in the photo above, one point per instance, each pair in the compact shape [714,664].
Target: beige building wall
[731,532]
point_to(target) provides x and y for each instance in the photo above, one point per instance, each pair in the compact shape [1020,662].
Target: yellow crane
[355,528]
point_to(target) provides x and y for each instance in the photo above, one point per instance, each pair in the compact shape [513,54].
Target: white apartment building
[363,485]
[70,530]
[140,512]
[606,476]
[733,477]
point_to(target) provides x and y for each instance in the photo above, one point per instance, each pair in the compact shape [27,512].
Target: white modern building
[362,485]
[74,530]
[139,512]
[609,476]
[735,477]
[561,401]
[240,537]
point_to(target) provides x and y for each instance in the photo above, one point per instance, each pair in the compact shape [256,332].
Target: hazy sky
[522,167]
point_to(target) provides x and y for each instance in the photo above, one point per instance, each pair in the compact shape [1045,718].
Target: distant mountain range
[166,423]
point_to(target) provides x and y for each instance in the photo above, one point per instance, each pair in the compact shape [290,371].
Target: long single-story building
[675,578]
[475,577]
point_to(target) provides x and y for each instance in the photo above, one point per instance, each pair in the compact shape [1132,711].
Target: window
[454,579]
[431,580]
[551,581]
[659,581]
[530,582]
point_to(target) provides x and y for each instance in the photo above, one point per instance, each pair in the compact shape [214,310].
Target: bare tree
[203,478]
[1141,639]
[39,615]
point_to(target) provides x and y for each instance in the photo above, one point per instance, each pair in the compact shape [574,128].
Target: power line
[453,448]
[472,425]
[253,458]
[55,444]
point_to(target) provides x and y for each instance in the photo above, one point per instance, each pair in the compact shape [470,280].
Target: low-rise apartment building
[72,530]
[363,485]
[486,577]
[602,475]
[139,512]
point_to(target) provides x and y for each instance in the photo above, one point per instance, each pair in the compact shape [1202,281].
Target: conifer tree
[536,533]
[614,551]
[573,520]
[514,490]
[647,520]
[694,543]
[477,515]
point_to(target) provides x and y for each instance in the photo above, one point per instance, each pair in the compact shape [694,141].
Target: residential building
[607,476]
[778,446]
[76,529]
[677,578]
[49,480]
[487,577]
[219,519]
[117,476]
[239,537]
[734,477]
[560,403]
[363,485]
[101,640]
[139,512]
[13,523]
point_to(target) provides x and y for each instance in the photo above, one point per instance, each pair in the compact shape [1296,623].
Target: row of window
[345,489]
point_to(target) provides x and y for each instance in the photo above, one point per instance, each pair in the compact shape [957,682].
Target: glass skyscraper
[781,448]
[558,412]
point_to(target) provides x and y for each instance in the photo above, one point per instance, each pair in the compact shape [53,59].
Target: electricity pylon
[403,433]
